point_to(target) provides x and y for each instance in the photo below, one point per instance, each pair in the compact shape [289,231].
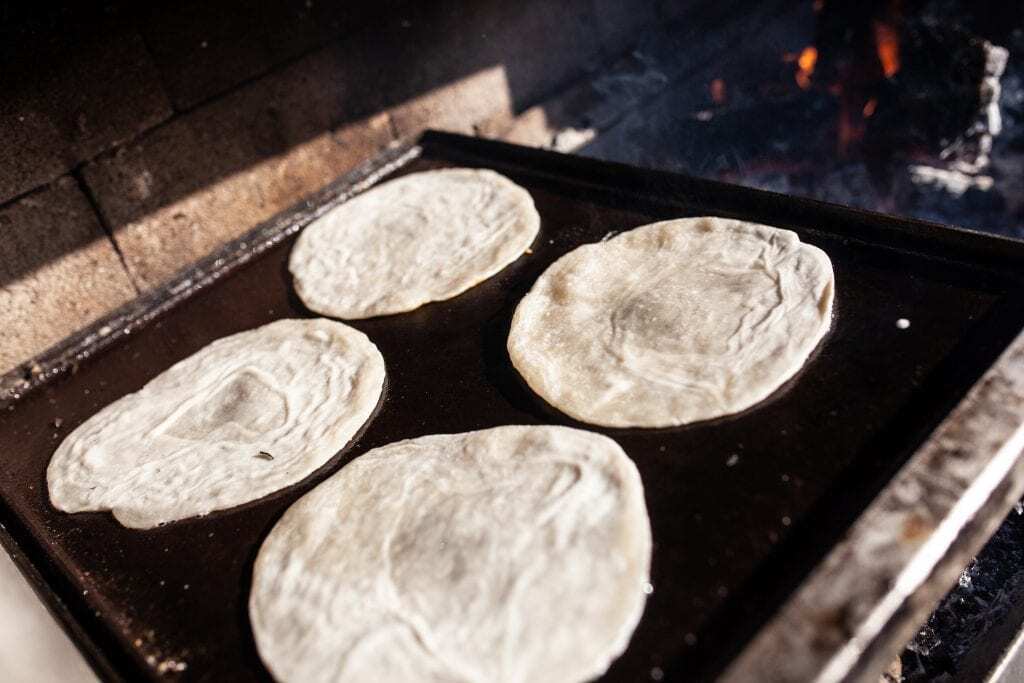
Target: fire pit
[913,108]
[124,212]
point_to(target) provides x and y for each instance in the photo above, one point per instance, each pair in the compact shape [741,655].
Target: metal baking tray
[801,538]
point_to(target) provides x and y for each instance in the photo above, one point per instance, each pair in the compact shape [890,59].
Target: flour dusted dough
[245,416]
[672,322]
[513,554]
[420,238]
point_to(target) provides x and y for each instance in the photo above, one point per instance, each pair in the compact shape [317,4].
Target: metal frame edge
[869,582]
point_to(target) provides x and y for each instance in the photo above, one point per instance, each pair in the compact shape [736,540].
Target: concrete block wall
[135,141]
[58,271]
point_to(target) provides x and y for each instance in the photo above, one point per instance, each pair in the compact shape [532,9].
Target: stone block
[214,173]
[74,94]
[458,107]
[454,67]
[58,271]
[205,48]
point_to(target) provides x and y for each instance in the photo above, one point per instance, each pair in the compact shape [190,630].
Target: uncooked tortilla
[513,554]
[242,418]
[673,322]
[423,237]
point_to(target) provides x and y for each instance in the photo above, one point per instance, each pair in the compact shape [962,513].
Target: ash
[987,592]
[938,134]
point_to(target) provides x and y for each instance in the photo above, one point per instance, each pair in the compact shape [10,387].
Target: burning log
[908,88]
[943,105]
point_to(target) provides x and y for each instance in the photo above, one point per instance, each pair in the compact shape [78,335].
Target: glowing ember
[851,128]
[807,58]
[869,107]
[805,66]
[718,91]
[887,43]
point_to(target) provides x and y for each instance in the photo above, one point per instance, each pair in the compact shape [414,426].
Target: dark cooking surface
[741,507]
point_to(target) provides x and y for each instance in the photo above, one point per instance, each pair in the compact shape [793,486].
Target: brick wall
[135,141]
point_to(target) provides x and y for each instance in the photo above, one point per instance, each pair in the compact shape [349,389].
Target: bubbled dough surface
[507,554]
[423,237]
[672,322]
[188,442]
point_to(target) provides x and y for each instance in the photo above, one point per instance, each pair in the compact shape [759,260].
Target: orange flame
[805,66]
[869,107]
[718,93]
[887,43]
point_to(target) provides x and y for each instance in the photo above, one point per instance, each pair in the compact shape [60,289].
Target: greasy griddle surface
[741,507]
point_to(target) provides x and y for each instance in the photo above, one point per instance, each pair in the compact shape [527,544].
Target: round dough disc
[673,322]
[423,237]
[240,419]
[507,554]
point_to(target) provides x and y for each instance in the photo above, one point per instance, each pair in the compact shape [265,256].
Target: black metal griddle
[742,508]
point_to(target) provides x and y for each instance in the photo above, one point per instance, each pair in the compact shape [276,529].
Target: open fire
[904,113]
[857,69]
[855,78]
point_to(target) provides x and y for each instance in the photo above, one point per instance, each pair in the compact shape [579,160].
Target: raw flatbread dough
[513,554]
[423,237]
[242,418]
[672,322]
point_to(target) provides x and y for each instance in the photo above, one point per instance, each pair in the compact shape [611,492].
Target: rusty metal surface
[743,508]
